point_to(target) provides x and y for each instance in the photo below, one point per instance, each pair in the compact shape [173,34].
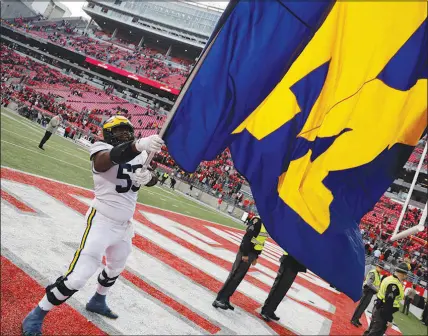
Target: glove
[152,143]
[141,177]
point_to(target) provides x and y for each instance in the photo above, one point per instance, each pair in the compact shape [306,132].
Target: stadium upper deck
[180,28]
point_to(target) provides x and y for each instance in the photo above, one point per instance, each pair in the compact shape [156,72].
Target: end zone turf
[177,266]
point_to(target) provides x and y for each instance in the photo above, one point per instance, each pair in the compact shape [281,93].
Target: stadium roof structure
[184,26]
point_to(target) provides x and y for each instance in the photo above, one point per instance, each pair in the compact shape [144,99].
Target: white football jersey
[115,193]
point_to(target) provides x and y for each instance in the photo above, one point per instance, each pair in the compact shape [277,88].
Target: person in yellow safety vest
[287,273]
[251,246]
[370,288]
[164,178]
[389,296]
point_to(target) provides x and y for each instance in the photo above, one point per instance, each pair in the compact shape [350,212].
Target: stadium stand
[143,60]
[53,92]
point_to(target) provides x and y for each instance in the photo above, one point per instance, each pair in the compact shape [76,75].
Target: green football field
[65,161]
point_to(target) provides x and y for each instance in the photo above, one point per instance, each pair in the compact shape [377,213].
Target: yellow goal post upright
[421,225]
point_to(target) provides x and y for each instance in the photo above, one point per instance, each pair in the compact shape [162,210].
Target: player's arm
[125,152]
[388,309]
[106,159]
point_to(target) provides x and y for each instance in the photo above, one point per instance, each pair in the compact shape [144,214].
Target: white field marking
[31,125]
[177,229]
[24,121]
[176,198]
[199,235]
[165,190]
[300,293]
[37,127]
[194,296]
[213,209]
[369,319]
[256,293]
[175,205]
[47,235]
[273,250]
[317,281]
[49,156]
[296,321]
[88,169]
[247,321]
[146,205]
[268,254]
[237,241]
[50,146]
[225,235]
[237,235]
[309,276]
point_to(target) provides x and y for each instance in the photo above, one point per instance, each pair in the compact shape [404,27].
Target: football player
[118,172]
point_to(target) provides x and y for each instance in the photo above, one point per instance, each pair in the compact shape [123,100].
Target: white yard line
[42,154]
[33,126]
[147,205]
[47,146]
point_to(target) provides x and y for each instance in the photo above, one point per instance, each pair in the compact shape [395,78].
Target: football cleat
[97,304]
[32,324]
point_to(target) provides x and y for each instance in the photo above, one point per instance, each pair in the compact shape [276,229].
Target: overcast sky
[76,6]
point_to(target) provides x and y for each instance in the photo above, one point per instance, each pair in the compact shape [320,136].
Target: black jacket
[253,230]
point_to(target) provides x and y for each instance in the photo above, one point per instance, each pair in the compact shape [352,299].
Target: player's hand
[141,177]
[254,263]
[152,143]
[389,324]
[245,258]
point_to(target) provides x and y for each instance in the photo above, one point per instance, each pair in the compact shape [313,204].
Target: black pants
[45,138]
[237,274]
[378,325]
[287,272]
[363,304]
[406,307]
[425,314]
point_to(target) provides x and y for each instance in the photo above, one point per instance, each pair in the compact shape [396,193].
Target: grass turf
[65,161]
[409,324]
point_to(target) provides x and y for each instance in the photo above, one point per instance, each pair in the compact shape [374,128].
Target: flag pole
[182,93]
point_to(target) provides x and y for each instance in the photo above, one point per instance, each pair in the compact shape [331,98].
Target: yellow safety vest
[376,282]
[259,241]
[384,285]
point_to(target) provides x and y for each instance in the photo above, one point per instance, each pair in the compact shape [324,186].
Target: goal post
[413,230]
[421,225]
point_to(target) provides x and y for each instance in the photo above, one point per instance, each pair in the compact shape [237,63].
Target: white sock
[102,290]
[45,305]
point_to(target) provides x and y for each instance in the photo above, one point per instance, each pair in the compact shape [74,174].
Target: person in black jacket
[287,272]
[251,246]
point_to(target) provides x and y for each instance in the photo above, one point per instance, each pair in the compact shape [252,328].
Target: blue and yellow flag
[321,104]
